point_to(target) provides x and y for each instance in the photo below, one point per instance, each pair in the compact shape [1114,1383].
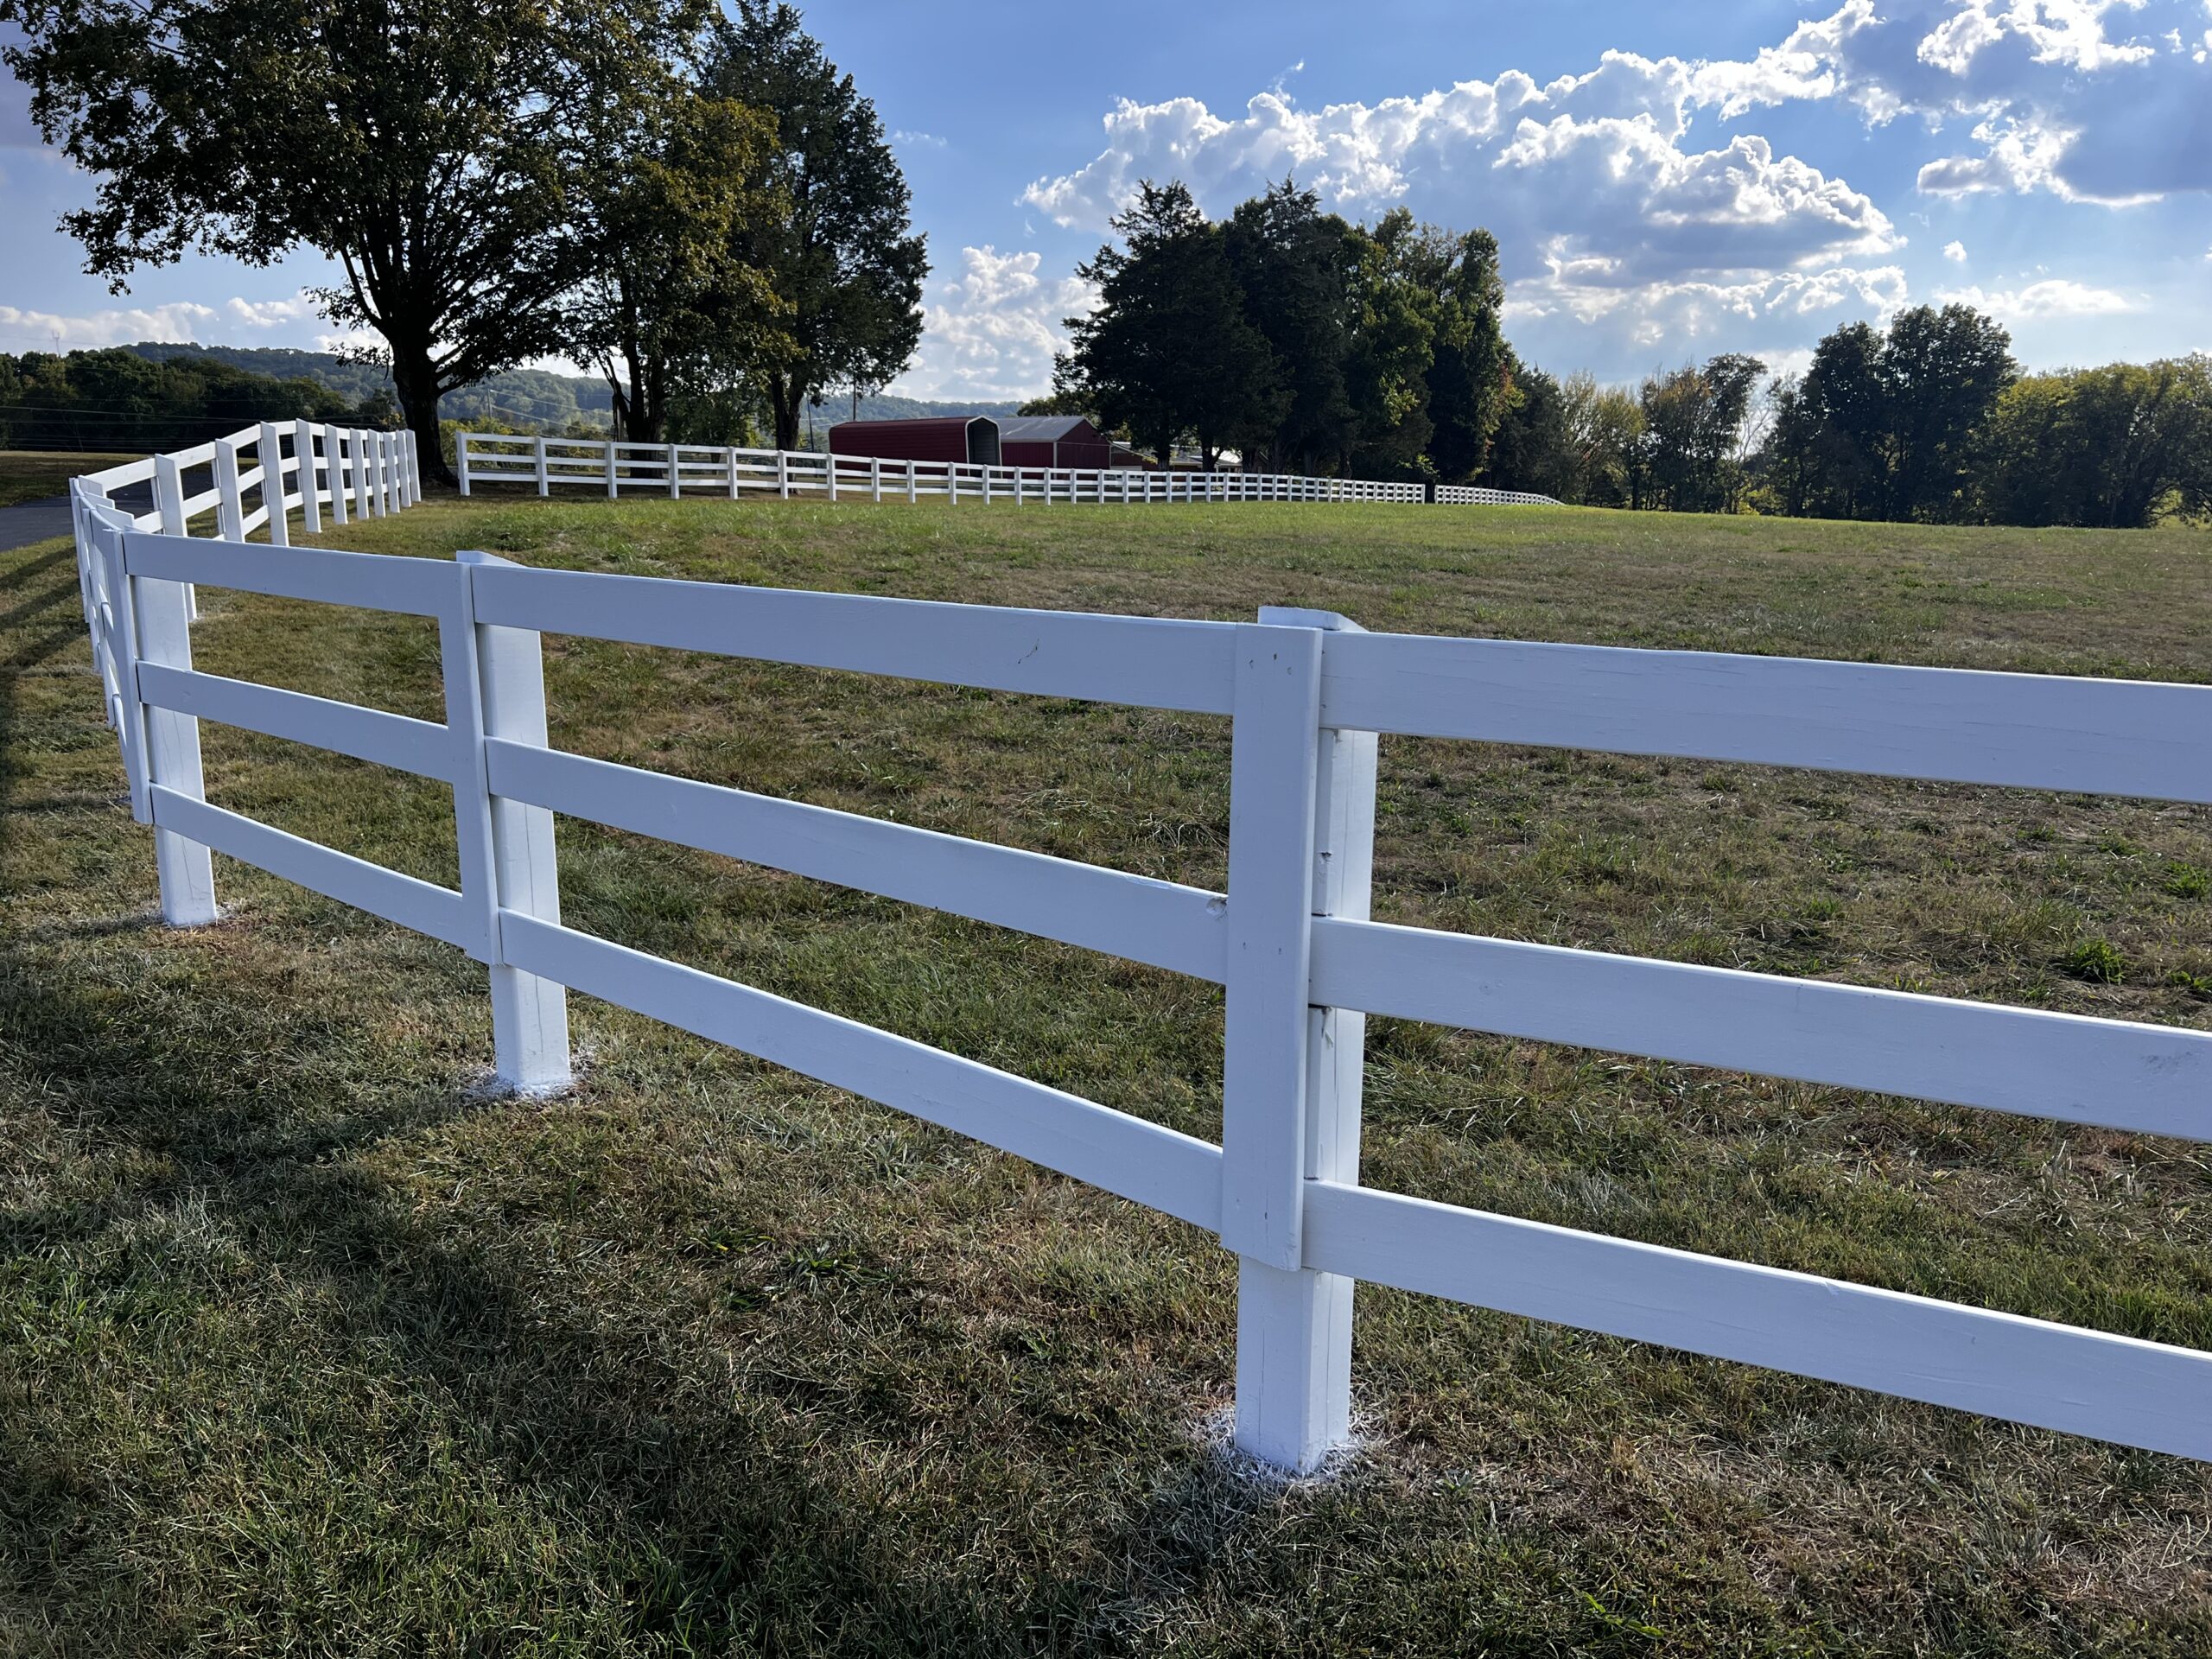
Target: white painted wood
[911,495]
[169,516]
[1294,1346]
[875,478]
[495,688]
[1149,662]
[1155,1166]
[172,749]
[422,905]
[1132,916]
[371,581]
[2153,1078]
[371,734]
[2037,731]
[230,518]
[461,448]
[2056,1376]
[311,483]
[334,453]
[1273,771]
[783,475]
[271,451]
[363,471]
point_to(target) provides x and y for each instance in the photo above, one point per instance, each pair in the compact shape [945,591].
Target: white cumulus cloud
[1955,253]
[2053,297]
[991,331]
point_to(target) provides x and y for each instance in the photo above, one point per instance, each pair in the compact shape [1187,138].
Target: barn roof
[1039,428]
[915,422]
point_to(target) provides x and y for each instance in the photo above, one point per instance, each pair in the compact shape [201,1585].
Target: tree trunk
[416,379]
[786,402]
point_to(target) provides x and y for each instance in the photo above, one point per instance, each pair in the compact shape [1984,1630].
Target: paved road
[32,521]
[39,521]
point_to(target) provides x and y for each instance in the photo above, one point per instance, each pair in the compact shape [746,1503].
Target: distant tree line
[118,399]
[694,202]
[1929,420]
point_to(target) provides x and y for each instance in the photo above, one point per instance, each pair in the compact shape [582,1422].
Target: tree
[1603,425]
[1470,368]
[669,313]
[1940,373]
[1532,448]
[840,255]
[1393,344]
[2110,447]
[1294,266]
[424,147]
[1169,349]
[1693,419]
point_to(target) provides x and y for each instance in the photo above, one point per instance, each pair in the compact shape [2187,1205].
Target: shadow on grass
[703,1526]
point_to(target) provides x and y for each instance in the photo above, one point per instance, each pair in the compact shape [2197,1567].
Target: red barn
[938,437]
[1053,440]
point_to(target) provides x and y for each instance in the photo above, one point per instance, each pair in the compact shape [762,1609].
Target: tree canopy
[840,252]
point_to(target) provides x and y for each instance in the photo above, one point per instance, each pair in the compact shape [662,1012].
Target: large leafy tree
[1470,380]
[1693,420]
[2111,447]
[841,254]
[1393,344]
[1296,267]
[669,313]
[1169,350]
[425,147]
[1941,374]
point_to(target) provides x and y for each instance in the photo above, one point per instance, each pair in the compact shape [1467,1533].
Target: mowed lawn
[310,1343]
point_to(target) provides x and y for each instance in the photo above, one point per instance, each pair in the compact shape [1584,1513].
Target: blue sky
[1666,182]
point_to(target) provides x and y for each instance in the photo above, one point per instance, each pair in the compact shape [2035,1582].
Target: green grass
[308,1344]
[33,475]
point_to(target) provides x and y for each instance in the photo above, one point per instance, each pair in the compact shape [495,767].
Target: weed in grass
[2098,961]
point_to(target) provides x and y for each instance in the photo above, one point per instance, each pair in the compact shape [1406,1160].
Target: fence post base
[1294,1364]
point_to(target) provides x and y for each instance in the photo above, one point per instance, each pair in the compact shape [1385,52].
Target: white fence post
[334,454]
[229,517]
[495,687]
[783,475]
[1301,1324]
[310,483]
[159,630]
[461,455]
[168,502]
[364,467]
[544,473]
[875,478]
[911,495]
[829,473]
[1284,1372]
[614,471]
[729,459]
[675,474]
[272,483]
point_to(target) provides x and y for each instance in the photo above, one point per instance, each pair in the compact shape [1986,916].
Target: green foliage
[1685,458]
[2108,447]
[838,252]
[1533,449]
[1889,425]
[426,148]
[1294,268]
[1169,350]
[668,311]
[1309,343]
[118,399]
[2098,961]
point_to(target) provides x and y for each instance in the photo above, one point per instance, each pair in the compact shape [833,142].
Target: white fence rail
[1302,966]
[675,469]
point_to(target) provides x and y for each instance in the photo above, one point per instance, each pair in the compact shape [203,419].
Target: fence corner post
[495,687]
[461,458]
[1304,798]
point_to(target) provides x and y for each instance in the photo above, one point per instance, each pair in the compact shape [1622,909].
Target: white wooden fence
[1291,941]
[673,469]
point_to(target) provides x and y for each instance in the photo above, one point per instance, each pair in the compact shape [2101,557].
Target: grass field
[308,1344]
[32,474]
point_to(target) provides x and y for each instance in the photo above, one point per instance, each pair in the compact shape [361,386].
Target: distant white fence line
[676,470]
[1291,941]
